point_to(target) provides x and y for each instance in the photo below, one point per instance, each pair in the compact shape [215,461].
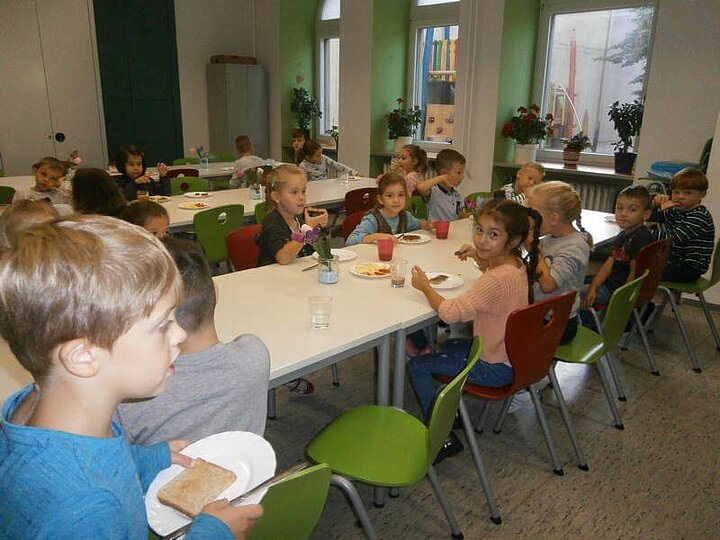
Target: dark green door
[139,74]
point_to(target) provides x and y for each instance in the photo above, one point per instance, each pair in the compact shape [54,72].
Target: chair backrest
[6,194]
[217,157]
[183,184]
[360,200]
[483,196]
[349,223]
[292,508]
[446,404]
[242,247]
[417,207]
[653,258]
[183,172]
[532,335]
[186,161]
[715,274]
[260,212]
[619,310]
[212,227]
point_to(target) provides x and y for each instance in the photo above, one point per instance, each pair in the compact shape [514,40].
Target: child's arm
[421,282]
[602,274]
[339,167]
[423,187]
[219,520]
[287,253]
[366,232]
[162,186]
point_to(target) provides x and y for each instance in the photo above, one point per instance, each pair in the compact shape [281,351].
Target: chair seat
[483,392]
[382,446]
[692,287]
[586,348]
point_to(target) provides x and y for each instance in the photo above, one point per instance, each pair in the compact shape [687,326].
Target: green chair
[218,157]
[212,227]
[186,161]
[183,184]
[589,347]
[388,447]
[292,508]
[484,197]
[698,288]
[260,212]
[417,207]
[6,194]
[220,184]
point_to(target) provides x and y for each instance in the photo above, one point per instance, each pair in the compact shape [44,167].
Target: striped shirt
[511,194]
[327,168]
[693,235]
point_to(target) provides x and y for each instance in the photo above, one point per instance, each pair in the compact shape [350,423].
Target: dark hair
[54,163]
[139,212]
[639,193]
[197,306]
[308,149]
[94,192]
[689,178]
[124,153]
[387,180]
[243,144]
[516,219]
[447,158]
[301,132]
[419,156]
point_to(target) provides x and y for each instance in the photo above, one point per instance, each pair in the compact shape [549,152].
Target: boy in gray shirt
[217,386]
[444,199]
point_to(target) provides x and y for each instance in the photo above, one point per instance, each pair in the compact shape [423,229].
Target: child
[110,290]
[49,177]
[689,223]
[248,159]
[501,227]
[149,215]
[445,202]
[217,386]
[389,216]
[412,164]
[299,137]
[130,163]
[21,215]
[632,209]
[94,192]
[564,252]
[317,165]
[529,175]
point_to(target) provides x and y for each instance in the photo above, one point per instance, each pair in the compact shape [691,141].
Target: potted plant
[305,107]
[573,146]
[402,123]
[527,129]
[627,120]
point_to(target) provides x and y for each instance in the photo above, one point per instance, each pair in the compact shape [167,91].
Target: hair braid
[586,234]
[533,255]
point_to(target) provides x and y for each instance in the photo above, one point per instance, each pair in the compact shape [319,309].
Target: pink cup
[441,229]
[385,249]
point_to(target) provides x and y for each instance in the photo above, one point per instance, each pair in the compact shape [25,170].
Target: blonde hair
[243,144]
[562,199]
[53,163]
[21,215]
[89,277]
[275,179]
[534,165]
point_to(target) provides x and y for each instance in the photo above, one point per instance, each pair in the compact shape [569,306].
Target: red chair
[360,200]
[242,247]
[349,224]
[174,173]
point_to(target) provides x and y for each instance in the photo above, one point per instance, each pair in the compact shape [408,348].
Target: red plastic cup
[441,229]
[385,249]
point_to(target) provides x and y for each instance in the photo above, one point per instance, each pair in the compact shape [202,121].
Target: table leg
[383,382]
[399,375]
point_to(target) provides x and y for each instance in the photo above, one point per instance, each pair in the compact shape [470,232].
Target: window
[594,58]
[328,62]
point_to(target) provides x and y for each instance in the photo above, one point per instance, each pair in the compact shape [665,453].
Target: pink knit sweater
[498,292]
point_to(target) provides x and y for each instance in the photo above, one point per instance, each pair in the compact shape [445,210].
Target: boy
[217,386]
[87,306]
[632,209]
[49,176]
[21,215]
[689,223]
[445,201]
[246,149]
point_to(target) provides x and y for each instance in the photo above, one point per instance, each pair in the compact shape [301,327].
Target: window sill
[596,171]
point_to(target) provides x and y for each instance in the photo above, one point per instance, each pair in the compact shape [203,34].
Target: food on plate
[411,237]
[193,488]
[194,205]
[159,198]
[372,269]
[438,279]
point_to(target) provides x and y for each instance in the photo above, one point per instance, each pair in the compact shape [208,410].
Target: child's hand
[589,299]
[384,236]
[320,217]
[663,202]
[465,251]
[419,280]
[239,519]
[162,169]
[176,458]
[427,225]
[144,179]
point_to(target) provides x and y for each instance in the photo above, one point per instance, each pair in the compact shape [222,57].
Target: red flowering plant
[401,121]
[528,127]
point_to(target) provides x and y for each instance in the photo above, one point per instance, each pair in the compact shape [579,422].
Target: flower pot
[624,162]
[525,153]
[571,158]
[400,142]
[328,270]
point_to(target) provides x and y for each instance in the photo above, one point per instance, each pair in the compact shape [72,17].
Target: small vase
[329,270]
[525,153]
[255,192]
[571,158]
[204,163]
[400,142]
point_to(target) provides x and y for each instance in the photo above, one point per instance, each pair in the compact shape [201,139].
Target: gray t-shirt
[444,203]
[567,257]
[222,388]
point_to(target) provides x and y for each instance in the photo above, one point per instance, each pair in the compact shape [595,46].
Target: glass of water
[320,308]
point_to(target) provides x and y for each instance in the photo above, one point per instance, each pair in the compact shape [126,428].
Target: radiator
[596,195]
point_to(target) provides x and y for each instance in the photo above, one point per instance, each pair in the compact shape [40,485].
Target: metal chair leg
[709,318]
[608,394]
[335,375]
[271,410]
[482,418]
[615,374]
[683,329]
[354,498]
[646,344]
[582,462]
[497,428]
[479,466]
[444,504]
[557,468]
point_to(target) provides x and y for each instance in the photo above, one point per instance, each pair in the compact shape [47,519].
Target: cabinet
[237,105]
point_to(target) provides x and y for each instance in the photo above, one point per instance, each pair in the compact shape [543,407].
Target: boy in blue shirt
[445,201]
[87,305]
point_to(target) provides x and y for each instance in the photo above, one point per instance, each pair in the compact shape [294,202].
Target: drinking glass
[320,308]
[398,270]
[442,228]
[385,249]
[143,195]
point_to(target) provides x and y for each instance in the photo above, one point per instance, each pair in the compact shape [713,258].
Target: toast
[193,488]
[438,279]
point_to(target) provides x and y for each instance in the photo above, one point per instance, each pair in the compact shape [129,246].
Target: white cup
[398,270]
[320,308]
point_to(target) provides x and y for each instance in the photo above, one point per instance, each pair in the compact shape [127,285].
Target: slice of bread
[193,488]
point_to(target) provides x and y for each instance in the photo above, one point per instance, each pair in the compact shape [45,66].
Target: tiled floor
[659,478]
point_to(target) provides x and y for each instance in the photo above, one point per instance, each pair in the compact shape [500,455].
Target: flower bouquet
[253,178]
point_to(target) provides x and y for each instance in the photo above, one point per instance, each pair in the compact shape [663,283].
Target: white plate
[343,254]
[424,238]
[359,268]
[452,282]
[198,194]
[159,198]
[197,205]
[610,219]
[249,456]
[230,169]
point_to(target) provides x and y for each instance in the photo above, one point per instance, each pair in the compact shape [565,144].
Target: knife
[310,267]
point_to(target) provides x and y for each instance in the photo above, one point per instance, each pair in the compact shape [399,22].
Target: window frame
[324,29]
[548,10]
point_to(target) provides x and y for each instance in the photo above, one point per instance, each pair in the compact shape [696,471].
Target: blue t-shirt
[369,225]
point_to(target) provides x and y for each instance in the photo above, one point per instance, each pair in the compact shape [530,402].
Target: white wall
[203,30]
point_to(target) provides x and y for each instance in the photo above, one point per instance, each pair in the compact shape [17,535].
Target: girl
[389,216]
[317,165]
[246,149]
[130,163]
[299,137]
[501,228]
[150,216]
[412,164]
[94,192]
[564,252]
[529,175]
